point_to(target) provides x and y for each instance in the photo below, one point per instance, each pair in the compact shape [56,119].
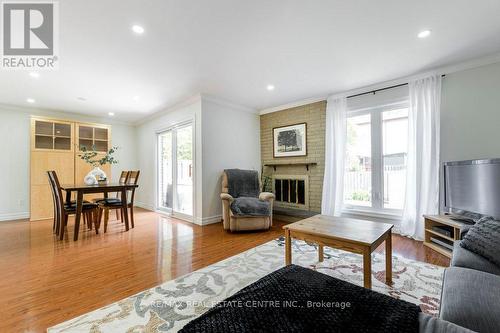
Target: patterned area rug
[171,305]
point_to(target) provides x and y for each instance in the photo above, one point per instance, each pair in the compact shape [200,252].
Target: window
[376,153]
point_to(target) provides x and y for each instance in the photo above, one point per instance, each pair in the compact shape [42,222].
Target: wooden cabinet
[88,136]
[52,148]
[52,135]
[92,135]
[55,145]
[440,232]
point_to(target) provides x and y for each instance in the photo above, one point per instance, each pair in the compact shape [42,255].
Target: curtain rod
[382,89]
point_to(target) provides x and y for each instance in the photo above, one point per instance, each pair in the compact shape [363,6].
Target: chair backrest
[133,179]
[54,197]
[241,183]
[57,193]
[123,177]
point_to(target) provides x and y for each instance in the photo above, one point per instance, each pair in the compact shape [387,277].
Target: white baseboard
[144,205]
[208,220]
[14,216]
[199,221]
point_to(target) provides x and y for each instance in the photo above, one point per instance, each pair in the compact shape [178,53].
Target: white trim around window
[377,172]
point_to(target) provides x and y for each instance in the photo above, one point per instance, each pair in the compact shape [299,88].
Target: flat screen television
[472,187]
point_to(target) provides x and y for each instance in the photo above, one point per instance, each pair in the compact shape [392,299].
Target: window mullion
[377,175]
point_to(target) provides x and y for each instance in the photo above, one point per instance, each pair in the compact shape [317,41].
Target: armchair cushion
[243,183]
[249,206]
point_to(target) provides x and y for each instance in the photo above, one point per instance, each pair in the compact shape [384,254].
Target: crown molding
[227,103]
[189,101]
[53,113]
[293,104]
[448,69]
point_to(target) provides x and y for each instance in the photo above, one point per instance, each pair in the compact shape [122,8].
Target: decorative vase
[98,174]
[90,179]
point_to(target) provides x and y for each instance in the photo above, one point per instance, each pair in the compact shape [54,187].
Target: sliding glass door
[175,171]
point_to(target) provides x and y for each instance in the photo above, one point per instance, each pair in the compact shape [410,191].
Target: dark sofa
[471,292]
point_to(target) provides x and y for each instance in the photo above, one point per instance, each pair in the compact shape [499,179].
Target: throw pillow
[483,238]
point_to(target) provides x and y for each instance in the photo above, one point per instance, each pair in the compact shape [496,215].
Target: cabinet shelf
[435,233]
[441,221]
[441,249]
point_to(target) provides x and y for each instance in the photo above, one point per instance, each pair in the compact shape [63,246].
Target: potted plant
[97,175]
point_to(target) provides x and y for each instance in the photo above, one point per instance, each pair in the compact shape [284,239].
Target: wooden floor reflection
[45,281]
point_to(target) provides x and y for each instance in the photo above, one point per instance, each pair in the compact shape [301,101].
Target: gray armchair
[244,207]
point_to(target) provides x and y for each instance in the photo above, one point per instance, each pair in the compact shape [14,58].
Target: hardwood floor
[45,281]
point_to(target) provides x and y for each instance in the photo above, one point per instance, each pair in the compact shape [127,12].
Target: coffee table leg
[367,269]
[288,248]
[388,258]
[320,253]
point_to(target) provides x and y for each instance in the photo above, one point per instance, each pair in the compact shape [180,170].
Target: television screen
[473,186]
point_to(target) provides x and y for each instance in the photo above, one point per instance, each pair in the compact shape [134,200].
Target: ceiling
[234,48]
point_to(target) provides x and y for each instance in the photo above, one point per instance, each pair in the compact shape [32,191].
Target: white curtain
[335,139]
[422,178]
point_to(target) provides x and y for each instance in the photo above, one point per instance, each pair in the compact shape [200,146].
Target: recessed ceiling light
[424,34]
[30,100]
[138,29]
[35,75]
[137,98]
[111,114]
[270,87]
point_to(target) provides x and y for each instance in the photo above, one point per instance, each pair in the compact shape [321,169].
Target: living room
[217,166]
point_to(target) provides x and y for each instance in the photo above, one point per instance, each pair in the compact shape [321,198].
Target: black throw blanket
[247,206]
[297,299]
[242,183]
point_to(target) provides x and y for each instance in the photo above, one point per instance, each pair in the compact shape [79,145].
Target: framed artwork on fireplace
[289,141]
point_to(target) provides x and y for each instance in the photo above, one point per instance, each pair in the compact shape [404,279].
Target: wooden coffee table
[346,234]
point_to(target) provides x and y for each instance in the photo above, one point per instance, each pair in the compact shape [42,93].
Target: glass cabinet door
[52,135]
[92,137]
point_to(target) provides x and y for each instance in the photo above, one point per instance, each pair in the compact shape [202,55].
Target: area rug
[171,305]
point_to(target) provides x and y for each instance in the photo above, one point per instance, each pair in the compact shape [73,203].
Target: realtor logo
[30,35]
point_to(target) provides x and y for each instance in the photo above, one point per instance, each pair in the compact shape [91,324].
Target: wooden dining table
[82,189]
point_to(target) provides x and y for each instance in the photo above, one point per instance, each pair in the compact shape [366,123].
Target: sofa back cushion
[483,238]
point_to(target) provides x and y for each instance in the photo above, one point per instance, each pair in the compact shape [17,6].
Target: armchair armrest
[226,196]
[266,196]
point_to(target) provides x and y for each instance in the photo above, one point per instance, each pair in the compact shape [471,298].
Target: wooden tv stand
[441,220]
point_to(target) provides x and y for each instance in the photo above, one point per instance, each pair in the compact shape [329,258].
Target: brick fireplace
[291,174]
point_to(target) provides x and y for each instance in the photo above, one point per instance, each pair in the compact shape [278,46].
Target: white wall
[147,145]
[226,136]
[231,139]
[15,147]
[470,114]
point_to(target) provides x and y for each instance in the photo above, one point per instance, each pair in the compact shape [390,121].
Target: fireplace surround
[291,191]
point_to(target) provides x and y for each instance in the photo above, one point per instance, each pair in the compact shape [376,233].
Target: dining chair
[56,222]
[122,180]
[63,210]
[114,203]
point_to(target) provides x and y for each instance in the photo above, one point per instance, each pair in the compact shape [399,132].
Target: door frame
[171,211]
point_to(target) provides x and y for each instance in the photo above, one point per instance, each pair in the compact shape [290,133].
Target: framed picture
[290,140]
